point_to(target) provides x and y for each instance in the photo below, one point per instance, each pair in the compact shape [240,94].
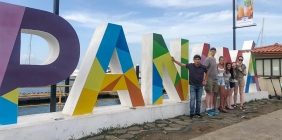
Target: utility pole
[29,53]
[261,39]
[234,24]
[53,93]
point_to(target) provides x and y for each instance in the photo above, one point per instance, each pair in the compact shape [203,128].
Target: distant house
[269,64]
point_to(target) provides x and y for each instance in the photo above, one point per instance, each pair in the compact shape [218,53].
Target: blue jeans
[195,94]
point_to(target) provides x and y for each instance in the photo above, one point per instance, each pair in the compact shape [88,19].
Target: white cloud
[183,3]
[268,3]
[181,14]
[208,27]
[214,17]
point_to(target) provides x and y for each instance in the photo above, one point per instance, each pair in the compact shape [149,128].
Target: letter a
[108,42]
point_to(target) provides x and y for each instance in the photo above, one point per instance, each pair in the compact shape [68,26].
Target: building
[269,64]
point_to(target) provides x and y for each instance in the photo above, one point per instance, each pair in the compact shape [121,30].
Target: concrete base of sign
[56,125]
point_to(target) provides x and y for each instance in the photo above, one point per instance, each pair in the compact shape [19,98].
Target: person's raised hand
[172,58]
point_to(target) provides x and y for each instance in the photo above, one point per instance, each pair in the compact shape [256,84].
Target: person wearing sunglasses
[241,72]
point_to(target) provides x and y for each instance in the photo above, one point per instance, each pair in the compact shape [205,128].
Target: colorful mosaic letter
[108,42]
[62,60]
[179,49]
[158,71]
[252,83]
[223,51]
[202,50]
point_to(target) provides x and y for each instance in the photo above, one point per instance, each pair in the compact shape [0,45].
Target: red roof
[271,49]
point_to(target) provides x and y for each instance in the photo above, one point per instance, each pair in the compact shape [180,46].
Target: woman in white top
[221,85]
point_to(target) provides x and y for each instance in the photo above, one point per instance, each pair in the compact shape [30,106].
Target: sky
[199,21]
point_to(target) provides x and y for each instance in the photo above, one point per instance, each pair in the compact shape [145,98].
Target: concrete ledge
[51,126]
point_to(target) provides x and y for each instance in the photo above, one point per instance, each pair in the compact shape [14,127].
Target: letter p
[61,62]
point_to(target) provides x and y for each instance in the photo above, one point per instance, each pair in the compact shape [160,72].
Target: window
[275,67]
[259,64]
[266,67]
[269,67]
[280,67]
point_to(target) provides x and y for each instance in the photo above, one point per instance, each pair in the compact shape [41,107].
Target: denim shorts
[221,81]
[227,85]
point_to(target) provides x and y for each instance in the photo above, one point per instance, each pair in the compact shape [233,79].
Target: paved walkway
[248,124]
[265,127]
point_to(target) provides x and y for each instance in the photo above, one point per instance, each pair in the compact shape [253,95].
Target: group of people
[223,78]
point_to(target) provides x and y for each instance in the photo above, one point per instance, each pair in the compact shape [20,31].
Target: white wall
[45,127]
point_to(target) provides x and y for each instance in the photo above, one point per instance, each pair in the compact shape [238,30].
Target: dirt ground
[209,124]
[183,128]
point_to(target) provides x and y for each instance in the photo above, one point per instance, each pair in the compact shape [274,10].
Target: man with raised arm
[197,76]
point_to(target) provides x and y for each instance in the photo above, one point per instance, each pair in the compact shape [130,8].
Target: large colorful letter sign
[62,60]
[159,71]
[252,83]
[108,42]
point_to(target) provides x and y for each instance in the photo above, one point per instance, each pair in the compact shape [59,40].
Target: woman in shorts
[234,82]
[221,84]
[241,72]
[228,79]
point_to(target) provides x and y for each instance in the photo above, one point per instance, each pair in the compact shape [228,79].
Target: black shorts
[232,85]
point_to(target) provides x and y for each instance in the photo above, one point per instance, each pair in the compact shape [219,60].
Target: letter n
[108,42]
[158,71]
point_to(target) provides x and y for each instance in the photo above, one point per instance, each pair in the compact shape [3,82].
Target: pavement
[255,122]
[265,127]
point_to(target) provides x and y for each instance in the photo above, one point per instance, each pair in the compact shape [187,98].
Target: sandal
[223,110]
[242,107]
[234,106]
[230,108]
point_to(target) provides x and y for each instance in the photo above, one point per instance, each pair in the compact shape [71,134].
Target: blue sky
[199,21]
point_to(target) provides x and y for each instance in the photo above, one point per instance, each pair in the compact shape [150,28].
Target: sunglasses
[240,59]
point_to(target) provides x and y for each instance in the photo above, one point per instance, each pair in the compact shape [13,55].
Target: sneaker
[216,112]
[191,116]
[199,115]
[209,112]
